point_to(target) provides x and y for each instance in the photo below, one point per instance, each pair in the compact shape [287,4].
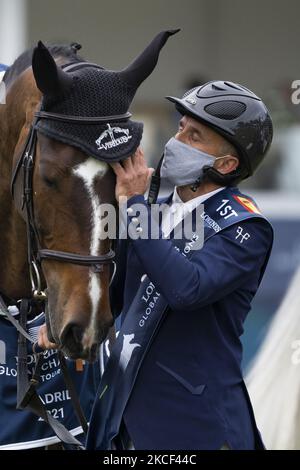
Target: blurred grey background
[253,43]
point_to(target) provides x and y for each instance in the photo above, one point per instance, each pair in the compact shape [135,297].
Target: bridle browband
[81,120]
[26,163]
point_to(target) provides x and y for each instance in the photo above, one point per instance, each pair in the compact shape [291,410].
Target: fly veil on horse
[55,175]
[59,177]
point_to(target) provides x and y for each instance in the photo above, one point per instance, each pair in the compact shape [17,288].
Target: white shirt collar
[192,203]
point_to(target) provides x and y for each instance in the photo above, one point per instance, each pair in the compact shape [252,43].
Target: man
[176,383]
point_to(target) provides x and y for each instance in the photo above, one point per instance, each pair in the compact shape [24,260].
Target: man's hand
[43,340]
[133,175]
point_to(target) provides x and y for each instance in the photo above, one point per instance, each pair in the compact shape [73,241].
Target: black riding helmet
[234,112]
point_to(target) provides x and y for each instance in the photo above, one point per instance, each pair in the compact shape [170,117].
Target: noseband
[25,165]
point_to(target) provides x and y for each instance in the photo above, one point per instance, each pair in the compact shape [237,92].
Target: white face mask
[183,164]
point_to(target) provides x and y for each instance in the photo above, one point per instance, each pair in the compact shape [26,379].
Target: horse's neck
[14,275]
[14,278]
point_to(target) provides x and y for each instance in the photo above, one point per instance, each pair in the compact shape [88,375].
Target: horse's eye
[51,183]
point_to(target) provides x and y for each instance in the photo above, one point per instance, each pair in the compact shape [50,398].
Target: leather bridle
[23,175]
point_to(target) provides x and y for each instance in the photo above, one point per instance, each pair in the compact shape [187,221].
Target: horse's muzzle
[74,345]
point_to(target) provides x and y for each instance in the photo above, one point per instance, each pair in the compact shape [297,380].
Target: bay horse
[54,180]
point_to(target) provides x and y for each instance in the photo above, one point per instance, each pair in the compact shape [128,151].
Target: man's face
[199,136]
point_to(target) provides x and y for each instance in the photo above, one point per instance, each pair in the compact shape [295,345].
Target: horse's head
[83,124]
[69,191]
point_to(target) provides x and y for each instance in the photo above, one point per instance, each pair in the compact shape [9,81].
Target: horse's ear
[144,64]
[51,80]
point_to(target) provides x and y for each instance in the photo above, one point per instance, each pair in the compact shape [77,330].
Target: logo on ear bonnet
[113,141]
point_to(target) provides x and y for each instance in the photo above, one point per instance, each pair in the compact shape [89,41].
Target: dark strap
[95,261]
[155,183]
[27,149]
[82,119]
[74,397]
[15,322]
[22,354]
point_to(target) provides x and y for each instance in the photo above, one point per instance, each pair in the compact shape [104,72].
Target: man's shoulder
[258,226]
[247,239]
[242,207]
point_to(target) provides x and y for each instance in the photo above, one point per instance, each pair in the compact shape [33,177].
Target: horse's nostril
[71,336]
[77,333]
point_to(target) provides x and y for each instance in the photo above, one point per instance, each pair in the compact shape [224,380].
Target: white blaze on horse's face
[88,171]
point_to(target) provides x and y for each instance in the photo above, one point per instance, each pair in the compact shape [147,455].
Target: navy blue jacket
[189,393]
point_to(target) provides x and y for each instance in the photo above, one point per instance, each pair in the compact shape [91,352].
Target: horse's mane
[68,53]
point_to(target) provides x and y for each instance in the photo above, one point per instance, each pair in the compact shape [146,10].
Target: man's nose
[181,136]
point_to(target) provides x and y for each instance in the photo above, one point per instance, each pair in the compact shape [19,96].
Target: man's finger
[127,164]
[150,172]
[43,341]
[139,158]
[139,155]
[117,167]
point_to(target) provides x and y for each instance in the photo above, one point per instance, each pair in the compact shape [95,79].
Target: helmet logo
[191,100]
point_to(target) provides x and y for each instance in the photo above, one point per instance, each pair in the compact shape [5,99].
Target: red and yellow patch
[249,205]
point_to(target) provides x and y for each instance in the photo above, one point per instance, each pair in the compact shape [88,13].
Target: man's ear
[226,164]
